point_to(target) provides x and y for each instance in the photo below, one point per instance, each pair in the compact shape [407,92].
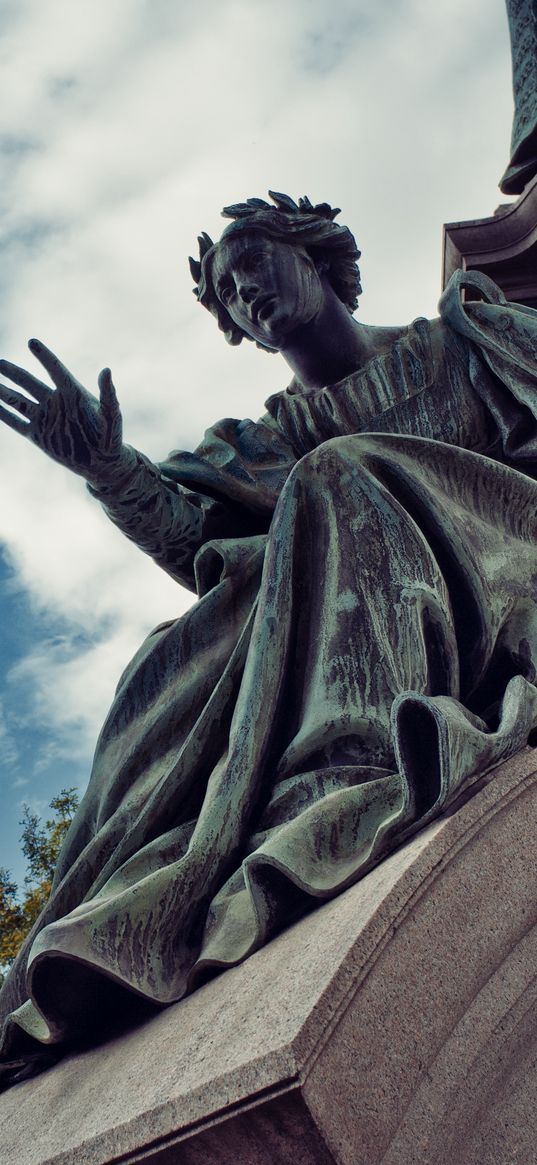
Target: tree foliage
[40,843]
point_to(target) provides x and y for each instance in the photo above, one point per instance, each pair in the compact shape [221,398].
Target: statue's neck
[330,347]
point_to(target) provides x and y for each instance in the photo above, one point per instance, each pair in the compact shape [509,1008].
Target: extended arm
[163,518]
[85,434]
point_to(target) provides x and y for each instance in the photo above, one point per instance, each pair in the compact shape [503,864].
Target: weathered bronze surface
[522,16]
[365,636]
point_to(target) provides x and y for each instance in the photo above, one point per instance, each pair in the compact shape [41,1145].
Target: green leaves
[41,843]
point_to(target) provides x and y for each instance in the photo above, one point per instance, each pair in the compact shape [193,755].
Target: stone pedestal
[504,246]
[396,1024]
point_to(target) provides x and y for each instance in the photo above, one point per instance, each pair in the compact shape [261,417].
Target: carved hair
[301,223]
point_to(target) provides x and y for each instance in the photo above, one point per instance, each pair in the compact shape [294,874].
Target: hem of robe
[241,921]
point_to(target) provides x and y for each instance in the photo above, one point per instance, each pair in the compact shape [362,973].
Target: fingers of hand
[24,406]
[31,384]
[57,371]
[14,422]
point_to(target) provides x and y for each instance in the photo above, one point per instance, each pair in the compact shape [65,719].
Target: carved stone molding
[504,246]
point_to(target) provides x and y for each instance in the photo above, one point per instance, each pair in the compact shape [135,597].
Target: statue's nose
[248,291]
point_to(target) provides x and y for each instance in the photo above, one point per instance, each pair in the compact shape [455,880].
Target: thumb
[107,394]
[111,412]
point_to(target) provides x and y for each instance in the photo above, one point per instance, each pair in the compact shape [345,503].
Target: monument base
[395,1024]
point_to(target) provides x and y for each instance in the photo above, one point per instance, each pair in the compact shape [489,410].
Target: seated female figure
[365,636]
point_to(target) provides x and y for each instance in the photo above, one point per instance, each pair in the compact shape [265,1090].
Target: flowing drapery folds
[364,644]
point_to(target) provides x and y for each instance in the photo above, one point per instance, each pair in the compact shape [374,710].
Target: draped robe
[364,646]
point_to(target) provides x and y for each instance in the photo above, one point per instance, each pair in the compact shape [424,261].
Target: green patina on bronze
[364,641]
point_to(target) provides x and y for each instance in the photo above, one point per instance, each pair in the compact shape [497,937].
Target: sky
[124,127]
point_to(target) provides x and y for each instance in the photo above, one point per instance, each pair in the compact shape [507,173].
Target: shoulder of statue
[497,328]
[453,307]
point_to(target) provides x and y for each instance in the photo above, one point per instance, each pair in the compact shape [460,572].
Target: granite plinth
[395,1024]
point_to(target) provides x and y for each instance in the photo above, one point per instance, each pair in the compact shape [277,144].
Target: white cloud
[72,686]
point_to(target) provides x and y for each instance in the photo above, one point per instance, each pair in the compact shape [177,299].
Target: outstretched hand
[67,422]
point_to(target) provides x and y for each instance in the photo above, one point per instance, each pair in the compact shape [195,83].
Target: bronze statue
[364,642]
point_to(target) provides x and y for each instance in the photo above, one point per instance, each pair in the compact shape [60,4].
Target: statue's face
[268,288]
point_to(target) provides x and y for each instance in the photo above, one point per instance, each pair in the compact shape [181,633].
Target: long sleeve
[164,519]
[227,488]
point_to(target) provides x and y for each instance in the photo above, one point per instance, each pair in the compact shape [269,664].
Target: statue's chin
[273,333]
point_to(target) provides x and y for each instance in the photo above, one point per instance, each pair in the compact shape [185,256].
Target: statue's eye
[225,293]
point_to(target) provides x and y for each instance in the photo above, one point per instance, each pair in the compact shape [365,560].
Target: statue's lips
[263,308]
